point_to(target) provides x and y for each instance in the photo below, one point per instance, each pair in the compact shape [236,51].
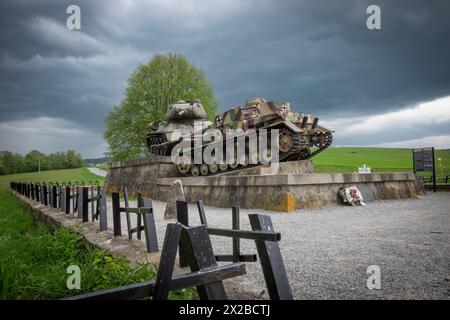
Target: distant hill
[95,161]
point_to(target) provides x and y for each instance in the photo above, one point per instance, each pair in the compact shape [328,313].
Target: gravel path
[98,172]
[327,251]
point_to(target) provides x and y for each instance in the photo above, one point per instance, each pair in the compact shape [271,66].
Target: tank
[178,122]
[300,136]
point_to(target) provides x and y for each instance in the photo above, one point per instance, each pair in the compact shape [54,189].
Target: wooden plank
[117,228]
[63,199]
[83,205]
[147,288]
[37,192]
[241,258]
[91,200]
[138,210]
[139,227]
[246,234]
[44,195]
[199,253]
[102,208]
[167,261]
[54,201]
[151,239]
[236,240]
[271,260]
[183,218]
[201,212]
[127,205]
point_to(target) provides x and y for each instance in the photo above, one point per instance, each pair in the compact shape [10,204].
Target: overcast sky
[386,87]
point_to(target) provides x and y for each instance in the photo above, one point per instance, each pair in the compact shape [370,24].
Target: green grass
[79,174]
[348,159]
[34,258]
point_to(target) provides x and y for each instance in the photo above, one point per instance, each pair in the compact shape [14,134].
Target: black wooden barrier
[266,241]
[205,274]
[144,212]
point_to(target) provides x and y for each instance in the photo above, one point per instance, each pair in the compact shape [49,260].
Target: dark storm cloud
[317,54]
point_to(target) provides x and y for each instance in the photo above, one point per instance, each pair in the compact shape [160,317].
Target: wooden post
[201,212]
[151,239]
[183,218]
[37,192]
[44,195]
[116,214]
[271,260]
[92,202]
[140,204]
[167,261]
[83,204]
[54,200]
[199,253]
[103,210]
[434,171]
[236,241]
[127,214]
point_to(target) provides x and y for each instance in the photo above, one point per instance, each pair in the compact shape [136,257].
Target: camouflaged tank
[300,137]
[178,122]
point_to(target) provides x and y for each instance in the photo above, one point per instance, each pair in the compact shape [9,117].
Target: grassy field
[348,159]
[79,174]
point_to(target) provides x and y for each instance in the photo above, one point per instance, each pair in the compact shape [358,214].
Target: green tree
[12,162]
[72,159]
[31,160]
[165,80]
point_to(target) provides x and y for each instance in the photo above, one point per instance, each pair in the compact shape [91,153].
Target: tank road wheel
[204,169]
[213,167]
[234,164]
[195,171]
[223,167]
[183,164]
[304,154]
[254,158]
[285,141]
[244,161]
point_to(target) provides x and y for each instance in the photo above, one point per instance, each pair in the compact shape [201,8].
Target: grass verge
[34,258]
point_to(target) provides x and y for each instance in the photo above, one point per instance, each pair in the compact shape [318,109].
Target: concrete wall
[288,192]
[292,185]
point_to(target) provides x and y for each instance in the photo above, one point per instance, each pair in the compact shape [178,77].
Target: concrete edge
[289,179]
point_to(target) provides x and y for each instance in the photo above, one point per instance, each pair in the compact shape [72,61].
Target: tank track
[282,157]
[296,153]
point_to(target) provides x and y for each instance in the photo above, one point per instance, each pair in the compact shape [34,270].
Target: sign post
[423,160]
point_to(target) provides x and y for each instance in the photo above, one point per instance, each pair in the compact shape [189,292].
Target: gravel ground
[327,251]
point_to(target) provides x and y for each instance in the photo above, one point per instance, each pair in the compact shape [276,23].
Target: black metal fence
[439,179]
[69,198]
[192,243]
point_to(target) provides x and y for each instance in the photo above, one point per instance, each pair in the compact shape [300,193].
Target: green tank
[300,135]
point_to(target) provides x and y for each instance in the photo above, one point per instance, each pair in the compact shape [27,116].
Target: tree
[32,159]
[165,80]
[11,162]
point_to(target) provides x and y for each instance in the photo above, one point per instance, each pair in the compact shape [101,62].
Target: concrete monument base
[252,188]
